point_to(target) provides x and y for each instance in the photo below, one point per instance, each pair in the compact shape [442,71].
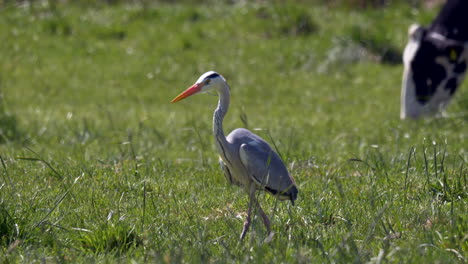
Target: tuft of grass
[110,238]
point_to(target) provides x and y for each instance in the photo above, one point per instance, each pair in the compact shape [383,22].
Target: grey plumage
[263,165]
[246,159]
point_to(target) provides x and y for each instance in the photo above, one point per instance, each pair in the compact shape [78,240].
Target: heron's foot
[245,229]
[269,238]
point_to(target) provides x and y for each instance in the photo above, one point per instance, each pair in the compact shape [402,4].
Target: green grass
[98,166]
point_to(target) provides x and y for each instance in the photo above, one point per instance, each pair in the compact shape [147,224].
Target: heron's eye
[207,81]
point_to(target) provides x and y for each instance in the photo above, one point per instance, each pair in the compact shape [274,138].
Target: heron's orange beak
[190,91]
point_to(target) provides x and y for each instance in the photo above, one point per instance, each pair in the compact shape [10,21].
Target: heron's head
[209,81]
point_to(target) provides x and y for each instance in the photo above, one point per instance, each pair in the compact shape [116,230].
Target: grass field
[98,166]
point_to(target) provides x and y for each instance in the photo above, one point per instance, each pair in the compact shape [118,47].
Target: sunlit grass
[98,166]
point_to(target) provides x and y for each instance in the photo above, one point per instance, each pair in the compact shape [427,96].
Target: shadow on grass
[7,227]
[300,24]
[377,45]
[286,21]
[10,231]
[8,124]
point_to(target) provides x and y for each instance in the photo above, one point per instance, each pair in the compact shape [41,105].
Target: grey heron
[247,160]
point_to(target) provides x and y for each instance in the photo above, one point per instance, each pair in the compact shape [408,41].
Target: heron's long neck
[219,113]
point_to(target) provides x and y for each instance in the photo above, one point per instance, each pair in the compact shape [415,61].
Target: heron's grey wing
[227,173]
[267,169]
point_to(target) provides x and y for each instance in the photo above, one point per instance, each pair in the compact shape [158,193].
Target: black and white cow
[435,61]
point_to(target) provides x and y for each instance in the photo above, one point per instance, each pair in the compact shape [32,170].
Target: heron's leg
[266,221]
[246,223]
[249,212]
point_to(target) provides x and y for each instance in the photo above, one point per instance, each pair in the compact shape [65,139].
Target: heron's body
[260,163]
[247,160]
